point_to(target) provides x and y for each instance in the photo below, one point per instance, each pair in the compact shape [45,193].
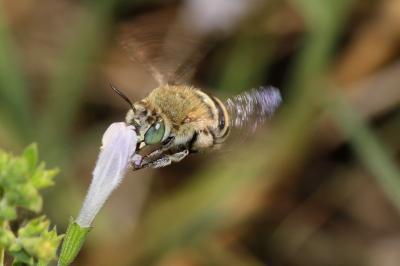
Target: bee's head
[150,126]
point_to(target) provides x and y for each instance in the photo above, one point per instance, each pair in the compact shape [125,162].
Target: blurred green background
[318,185]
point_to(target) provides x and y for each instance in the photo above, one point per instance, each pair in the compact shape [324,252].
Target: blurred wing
[163,44]
[252,108]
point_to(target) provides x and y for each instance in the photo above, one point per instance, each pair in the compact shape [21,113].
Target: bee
[177,120]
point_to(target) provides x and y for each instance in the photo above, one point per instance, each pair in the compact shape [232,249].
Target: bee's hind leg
[166,159]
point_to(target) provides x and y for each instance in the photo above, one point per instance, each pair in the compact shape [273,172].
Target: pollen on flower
[117,150]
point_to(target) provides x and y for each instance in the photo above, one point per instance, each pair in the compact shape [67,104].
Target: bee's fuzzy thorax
[179,103]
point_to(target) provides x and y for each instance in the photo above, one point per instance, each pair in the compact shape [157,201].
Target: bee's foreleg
[166,159]
[136,162]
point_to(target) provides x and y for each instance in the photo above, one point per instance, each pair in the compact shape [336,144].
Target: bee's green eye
[155,133]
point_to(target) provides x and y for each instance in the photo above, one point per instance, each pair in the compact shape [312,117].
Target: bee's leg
[145,161]
[136,162]
[166,159]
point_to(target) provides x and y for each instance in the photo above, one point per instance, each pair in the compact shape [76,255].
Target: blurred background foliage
[318,185]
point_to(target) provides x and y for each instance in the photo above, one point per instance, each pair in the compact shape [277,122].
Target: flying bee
[175,120]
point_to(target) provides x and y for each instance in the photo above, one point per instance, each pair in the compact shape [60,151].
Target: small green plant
[26,242]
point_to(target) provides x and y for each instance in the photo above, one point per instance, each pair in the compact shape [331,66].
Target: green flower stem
[73,241]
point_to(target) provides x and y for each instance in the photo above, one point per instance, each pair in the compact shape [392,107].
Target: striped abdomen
[221,132]
[217,129]
[247,111]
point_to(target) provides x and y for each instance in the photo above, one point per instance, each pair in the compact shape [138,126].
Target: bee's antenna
[123,96]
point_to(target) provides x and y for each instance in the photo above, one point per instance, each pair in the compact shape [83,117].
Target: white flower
[118,147]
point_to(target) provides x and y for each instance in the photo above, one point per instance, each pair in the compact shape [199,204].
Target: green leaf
[34,227]
[21,178]
[26,196]
[7,212]
[38,241]
[21,257]
[7,238]
[43,178]
[31,157]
